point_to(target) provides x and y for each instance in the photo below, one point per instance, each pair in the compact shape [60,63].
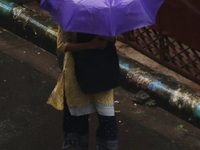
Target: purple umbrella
[102,17]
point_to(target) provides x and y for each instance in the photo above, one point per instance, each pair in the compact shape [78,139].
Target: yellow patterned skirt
[78,102]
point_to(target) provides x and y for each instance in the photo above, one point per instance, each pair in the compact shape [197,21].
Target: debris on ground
[141,97]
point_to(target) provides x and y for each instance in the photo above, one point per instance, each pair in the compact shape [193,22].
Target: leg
[76,129]
[107,133]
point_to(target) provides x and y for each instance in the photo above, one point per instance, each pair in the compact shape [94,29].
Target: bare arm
[95,43]
[109,39]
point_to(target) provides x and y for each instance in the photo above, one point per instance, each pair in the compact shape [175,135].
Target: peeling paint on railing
[160,88]
[27,18]
[23,15]
[197,111]
[146,81]
[185,100]
[177,97]
[52,32]
[6,7]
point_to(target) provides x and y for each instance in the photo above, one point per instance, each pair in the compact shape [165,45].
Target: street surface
[27,76]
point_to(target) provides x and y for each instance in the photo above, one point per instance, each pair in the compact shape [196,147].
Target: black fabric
[96,70]
[78,126]
[74,124]
[76,129]
[107,129]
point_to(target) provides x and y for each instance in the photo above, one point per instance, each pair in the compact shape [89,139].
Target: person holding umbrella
[78,105]
[86,35]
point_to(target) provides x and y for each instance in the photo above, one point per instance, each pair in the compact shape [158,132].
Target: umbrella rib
[110,20]
[68,21]
[80,1]
[90,27]
[72,16]
[147,14]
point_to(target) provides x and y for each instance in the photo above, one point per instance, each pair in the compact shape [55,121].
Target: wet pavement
[27,77]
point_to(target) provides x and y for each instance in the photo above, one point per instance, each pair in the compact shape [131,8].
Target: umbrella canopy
[102,17]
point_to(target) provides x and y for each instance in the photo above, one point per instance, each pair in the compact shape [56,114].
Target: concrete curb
[132,72]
